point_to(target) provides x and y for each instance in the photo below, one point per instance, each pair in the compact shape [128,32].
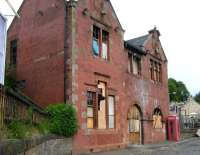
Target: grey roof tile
[138,42]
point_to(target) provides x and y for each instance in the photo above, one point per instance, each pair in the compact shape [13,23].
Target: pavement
[189,146]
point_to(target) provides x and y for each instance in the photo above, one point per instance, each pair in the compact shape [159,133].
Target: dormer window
[134,64]
[100,43]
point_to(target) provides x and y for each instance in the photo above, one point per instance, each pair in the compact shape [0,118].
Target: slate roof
[137,43]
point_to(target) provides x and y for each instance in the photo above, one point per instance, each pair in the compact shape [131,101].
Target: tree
[197,97]
[178,92]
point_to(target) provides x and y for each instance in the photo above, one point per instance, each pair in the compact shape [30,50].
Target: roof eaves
[134,48]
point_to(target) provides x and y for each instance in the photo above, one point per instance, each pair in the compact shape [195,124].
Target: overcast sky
[178,22]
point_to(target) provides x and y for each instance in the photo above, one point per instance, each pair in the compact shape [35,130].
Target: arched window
[157,119]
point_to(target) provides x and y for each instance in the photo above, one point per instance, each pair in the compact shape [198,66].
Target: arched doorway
[135,125]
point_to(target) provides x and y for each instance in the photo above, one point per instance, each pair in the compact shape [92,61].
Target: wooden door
[134,120]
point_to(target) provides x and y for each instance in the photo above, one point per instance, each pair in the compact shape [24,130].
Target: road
[187,147]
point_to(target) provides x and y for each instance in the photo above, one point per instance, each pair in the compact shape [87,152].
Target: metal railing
[190,122]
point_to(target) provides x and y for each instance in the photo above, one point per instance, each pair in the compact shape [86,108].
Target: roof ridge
[138,37]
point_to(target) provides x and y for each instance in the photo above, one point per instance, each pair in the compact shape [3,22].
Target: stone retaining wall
[48,145]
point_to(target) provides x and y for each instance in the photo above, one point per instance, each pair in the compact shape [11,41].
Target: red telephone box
[173,128]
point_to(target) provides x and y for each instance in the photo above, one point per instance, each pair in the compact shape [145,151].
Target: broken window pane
[95,41]
[95,47]
[104,51]
[104,44]
[100,43]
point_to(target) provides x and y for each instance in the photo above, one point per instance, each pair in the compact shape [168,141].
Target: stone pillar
[71,52]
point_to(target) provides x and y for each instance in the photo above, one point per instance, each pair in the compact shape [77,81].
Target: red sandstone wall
[129,88]
[40,63]
[87,66]
[40,33]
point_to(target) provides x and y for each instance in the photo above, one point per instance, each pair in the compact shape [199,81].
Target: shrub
[63,120]
[17,129]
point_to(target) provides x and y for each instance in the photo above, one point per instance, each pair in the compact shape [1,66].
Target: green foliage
[30,115]
[178,92]
[10,82]
[63,120]
[44,127]
[3,133]
[197,97]
[17,129]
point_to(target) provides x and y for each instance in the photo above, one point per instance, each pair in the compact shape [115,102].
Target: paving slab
[186,147]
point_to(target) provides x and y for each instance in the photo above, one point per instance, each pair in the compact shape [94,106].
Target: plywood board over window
[157,122]
[157,119]
[102,107]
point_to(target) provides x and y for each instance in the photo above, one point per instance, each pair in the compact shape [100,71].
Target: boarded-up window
[111,112]
[91,96]
[134,119]
[102,106]
[134,125]
[157,119]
